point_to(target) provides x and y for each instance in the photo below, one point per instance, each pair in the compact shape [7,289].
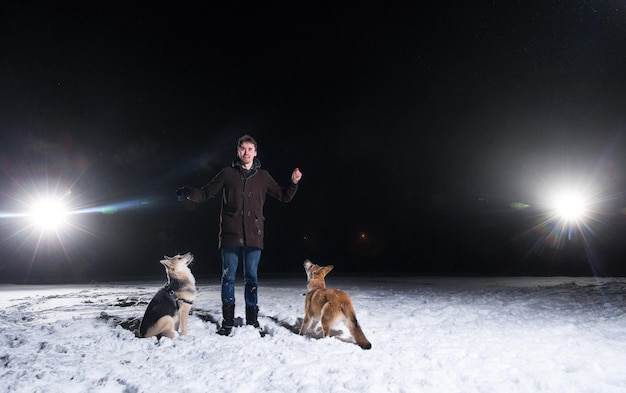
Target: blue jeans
[230,260]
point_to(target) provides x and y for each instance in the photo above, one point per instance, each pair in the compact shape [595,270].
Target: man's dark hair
[246,138]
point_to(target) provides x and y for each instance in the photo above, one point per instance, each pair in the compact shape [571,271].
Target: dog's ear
[166,262]
[326,269]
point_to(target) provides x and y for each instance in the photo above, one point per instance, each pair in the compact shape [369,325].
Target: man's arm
[284,194]
[205,193]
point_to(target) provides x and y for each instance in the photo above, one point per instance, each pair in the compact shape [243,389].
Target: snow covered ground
[428,335]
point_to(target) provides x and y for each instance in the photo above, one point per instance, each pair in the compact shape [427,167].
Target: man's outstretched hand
[296,175]
[183,193]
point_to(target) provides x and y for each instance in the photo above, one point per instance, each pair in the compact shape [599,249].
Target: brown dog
[169,308]
[330,306]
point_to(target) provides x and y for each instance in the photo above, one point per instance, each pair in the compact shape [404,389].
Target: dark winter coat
[243,197]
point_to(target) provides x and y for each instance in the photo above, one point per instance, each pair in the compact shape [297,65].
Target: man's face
[246,152]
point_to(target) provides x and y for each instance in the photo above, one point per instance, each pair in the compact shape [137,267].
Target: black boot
[228,319]
[251,316]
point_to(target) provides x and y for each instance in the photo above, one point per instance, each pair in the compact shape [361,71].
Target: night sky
[429,136]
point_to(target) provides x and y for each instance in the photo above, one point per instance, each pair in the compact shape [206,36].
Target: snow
[428,334]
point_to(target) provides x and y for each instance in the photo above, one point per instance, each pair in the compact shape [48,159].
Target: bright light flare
[49,214]
[570,214]
[44,219]
[570,207]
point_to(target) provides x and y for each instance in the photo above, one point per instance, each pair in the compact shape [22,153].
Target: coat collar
[256,164]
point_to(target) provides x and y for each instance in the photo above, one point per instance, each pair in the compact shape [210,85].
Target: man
[244,186]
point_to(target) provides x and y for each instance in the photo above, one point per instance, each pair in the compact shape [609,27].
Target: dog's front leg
[184,317]
[305,322]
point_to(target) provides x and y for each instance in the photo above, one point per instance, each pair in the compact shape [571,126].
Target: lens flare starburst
[570,207]
[48,214]
[569,224]
[571,212]
[47,225]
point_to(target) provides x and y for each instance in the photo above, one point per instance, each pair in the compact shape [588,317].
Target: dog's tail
[355,328]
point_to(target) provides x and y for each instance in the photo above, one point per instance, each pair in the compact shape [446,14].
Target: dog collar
[172,294]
